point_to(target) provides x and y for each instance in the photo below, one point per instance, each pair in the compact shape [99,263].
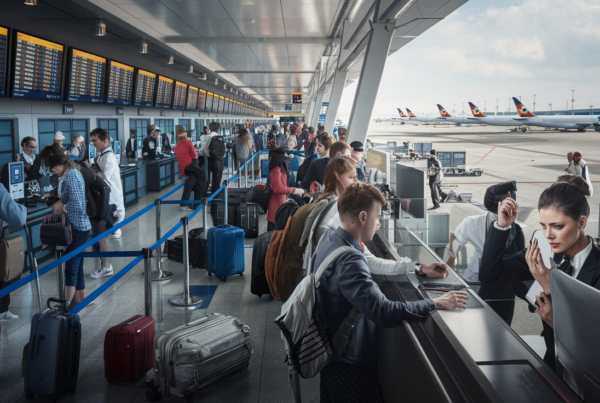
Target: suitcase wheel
[210,274]
[29,395]
[188,396]
[241,274]
[153,394]
[224,278]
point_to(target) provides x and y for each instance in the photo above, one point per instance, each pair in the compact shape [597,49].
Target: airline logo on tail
[476,112]
[402,115]
[410,114]
[523,111]
[443,111]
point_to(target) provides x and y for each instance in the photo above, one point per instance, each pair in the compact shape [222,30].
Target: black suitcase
[197,248]
[53,352]
[258,280]
[248,219]
[233,206]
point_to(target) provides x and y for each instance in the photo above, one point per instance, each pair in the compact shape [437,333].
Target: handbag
[261,195]
[56,230]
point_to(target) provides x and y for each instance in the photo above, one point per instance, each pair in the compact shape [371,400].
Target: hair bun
[575,181]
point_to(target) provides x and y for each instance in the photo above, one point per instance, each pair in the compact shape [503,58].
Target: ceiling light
[171,59]
[216,81]
[144,46]
[203,77]
[100,28]
[31,2]
[225,86]
[190,69]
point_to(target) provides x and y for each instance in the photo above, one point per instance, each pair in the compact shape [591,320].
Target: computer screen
[164,92]
[145,82]
[209,102]
[16,174]
[180,95]
[120,84]
[87,76]
[3,59]
[37,68]
[192,99]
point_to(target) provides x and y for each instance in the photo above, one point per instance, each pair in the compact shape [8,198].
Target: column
[370,77]
[314,122]
[339,81]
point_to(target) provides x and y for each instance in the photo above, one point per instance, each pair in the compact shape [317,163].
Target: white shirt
[205,139]
[107,161]
[472,230]
[580,258]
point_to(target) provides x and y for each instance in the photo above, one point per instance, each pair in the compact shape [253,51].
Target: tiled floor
[266,377]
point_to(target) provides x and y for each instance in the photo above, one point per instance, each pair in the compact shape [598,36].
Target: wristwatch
[451,254]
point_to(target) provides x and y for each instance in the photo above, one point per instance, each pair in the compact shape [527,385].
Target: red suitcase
[128,351]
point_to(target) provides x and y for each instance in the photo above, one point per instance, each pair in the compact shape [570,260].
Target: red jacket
[279,192]
[185,153]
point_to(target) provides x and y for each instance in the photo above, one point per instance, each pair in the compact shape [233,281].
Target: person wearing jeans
[215,164]
[187,161]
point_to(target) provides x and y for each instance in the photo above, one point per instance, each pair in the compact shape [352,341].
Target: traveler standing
[14,214]
[150,143]
[346,283]
[358,151]
[316,170]
[278,176]
[131,146]
[107,166]
[215,162]
[570,168]
[242,146]
[579,167]
[434,171]
[58,139]
[28,156]
[77,151]
[309,143]
[187,161]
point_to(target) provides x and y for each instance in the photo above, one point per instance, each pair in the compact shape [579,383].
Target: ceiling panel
[155,11]
[250,11]
[198,11]
[172,27]
[322,11]
[262,32]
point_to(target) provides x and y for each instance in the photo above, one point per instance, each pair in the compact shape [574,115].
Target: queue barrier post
[147,253]
[225,204]
[159,274]
[205,216]
[246,174]
[185,299]
[60,272]
[33,262]
[253,158]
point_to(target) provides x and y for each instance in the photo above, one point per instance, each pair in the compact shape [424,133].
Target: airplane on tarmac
[403,118]
[579,122]
[508,120]
[446,117]
[413,118]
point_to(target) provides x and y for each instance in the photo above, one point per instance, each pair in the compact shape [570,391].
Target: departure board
[201,100]
[144,88]
[227,106]
[217,104]
[3,58]
[164,92]
[120,84]
[192,99]
[180,95]
[209,101]
[37,69]
[86,77]
[221,105]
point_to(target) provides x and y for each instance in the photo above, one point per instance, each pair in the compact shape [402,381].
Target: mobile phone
[545,249]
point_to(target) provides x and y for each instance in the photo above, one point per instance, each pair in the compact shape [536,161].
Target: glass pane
[112,124]
[6,143]
[459,159]
[6,127]
[129,197]
[445,159]
[45,140]
[63,125]
[103,123]
[130,182]
[79,124]
[46,126]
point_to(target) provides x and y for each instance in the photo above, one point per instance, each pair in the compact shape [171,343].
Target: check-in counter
[129,181]
[468,355]
[160,173]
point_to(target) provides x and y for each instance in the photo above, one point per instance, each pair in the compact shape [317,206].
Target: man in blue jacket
[347,283]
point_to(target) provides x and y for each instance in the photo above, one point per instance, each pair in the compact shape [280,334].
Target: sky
[488,50]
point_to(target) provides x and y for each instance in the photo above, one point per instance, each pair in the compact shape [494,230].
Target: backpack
[285,211]
[97,194]
[303,169]
[273,260]
[303,329]
[216,148]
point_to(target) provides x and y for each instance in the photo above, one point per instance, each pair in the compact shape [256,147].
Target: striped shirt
[71,190]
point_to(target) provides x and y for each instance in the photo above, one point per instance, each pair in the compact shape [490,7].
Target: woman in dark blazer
[564,212]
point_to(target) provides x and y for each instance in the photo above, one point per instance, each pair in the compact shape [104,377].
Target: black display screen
[180,95]
[164,92]
[3,57]
[87,76]
[37,68]
[120,84]
[144,88]
[192,99]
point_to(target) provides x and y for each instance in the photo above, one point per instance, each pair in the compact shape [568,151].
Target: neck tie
[565,266]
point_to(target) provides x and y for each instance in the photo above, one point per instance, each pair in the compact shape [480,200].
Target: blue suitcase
[264,167]
[52,354]
[225,255]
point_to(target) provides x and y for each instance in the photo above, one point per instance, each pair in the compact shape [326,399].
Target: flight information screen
[120,84]
[3,54]
[192,99]
[217,104]
[180,95]
[37,69]
[86,77]
[201,100]
[221,105]
[164,92]
[144,88]
[209,101]
[227,106]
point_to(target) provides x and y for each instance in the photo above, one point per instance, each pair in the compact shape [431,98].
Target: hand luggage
[12,257]
[248,219]
[285,211]
[128,349]
[53,354]
[197,248]
[261,195]
[264,168]
[225,251]
[258,280]
[194,356]
[55,230]
[233,206]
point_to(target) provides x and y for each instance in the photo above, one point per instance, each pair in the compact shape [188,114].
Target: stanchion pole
[185,299]
[147,253]
[253,158]
[246,174]
[34,265]
[159,274]
[239,177]
[225,204]
[205,215]
[60,273]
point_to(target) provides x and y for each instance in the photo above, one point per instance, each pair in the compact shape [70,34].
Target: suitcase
[258,281]
[12,256]
[193,357]
[248,219]
[128,353]
[225,251]
[264,168]
[53,352]
[233,206]
[197,248]
[55,230]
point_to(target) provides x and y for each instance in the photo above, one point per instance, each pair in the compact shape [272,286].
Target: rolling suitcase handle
[63,304]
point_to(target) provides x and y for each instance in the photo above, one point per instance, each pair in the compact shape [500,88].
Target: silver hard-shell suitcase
[195,356]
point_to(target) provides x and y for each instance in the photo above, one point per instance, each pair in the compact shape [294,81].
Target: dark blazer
[497,268]
[315,172]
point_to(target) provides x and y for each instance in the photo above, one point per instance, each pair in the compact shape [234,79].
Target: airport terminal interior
[153,74]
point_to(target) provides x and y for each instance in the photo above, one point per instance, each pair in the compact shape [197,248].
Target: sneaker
[116,234]
[184,207]
[8,316]
[102,271]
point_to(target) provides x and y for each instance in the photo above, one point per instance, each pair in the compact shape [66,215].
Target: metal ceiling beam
[284,40]
[266,71]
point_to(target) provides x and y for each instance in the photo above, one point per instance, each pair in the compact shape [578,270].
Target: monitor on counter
[164,92]
[37,68]
[86,77]
[16,175]
[3,59]
[180,95]
[191,103]
[120,83]
[143,90]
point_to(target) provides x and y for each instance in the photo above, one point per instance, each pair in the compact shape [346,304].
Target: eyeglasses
[32,147]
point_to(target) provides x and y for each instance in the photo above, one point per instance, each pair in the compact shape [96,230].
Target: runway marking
[485,155]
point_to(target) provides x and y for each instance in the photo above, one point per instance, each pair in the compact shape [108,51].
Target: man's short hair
[100,133]
[151,129]
[214,126]
[311,129]
[356,198]
[339,147]
[325,140]
[26,141]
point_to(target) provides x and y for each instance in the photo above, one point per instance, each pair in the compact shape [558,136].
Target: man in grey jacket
[347,283]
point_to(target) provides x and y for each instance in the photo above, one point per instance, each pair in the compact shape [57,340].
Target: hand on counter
[435,269]
[452,300]
[58,207]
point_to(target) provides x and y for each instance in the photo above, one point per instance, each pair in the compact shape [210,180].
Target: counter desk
[468,355]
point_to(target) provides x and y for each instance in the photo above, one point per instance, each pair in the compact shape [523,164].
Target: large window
[111,126]
[7,152]
[445,158]
[69,127]
[140,126]
[165,125]
[186,123]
